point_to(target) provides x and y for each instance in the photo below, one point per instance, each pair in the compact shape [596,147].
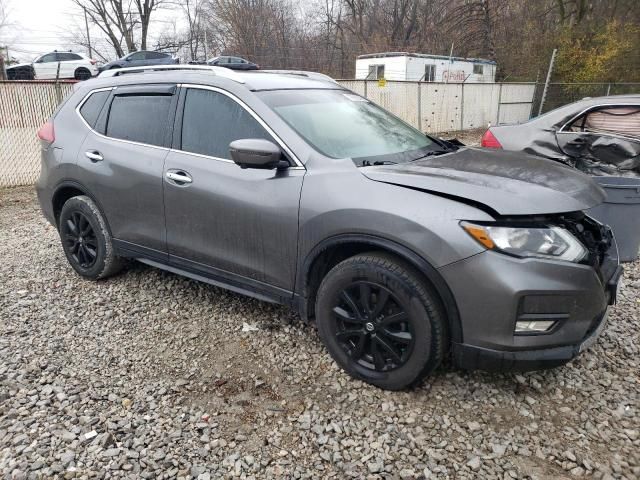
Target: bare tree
[194,11]
[4,14]
[125,23]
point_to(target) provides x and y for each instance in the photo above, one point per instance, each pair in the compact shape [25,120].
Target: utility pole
[205,44]
[86,24]
[546,83]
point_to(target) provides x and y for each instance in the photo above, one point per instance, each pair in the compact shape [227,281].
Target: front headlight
[545,242]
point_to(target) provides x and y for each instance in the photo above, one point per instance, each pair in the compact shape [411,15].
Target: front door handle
[94,155]
[179,177]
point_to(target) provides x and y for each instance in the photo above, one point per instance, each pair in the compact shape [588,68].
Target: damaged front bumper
[501,291]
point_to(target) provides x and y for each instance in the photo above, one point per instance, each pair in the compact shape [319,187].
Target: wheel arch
[332,251]
[69,189]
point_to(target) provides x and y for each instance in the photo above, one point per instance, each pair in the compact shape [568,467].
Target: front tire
[380,321]
[86,241]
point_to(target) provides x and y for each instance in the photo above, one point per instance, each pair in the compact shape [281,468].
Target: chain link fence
[559,94]
[24,107]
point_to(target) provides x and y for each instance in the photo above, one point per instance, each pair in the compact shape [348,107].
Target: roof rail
[301,73]
[218,71]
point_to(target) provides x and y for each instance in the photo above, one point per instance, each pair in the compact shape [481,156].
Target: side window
[137,56]
[155,55]
[92,107]
[622,120]
[49,57]
[139,118]
[478,69]
[211,121]
[62,57]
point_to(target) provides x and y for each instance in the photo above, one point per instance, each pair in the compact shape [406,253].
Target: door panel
[127,183]
[47,68]
[241,221]
[604,139]
[237,222]
[601,147]
[121,161]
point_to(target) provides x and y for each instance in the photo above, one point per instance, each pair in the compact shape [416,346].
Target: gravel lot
[150,375]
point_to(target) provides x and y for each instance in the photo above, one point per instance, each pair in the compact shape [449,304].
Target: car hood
[18,65]
[506,182]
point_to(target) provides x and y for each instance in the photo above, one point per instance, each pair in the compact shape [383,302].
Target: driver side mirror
[257,153]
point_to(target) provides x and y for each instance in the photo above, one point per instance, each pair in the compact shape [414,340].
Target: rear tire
[380,321]
[82,74]
[86,240]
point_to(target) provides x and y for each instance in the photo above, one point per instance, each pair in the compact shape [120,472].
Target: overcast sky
[40,26]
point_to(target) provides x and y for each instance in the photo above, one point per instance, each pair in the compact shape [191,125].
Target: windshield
[340,124]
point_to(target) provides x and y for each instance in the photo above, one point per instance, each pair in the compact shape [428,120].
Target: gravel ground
[150,375]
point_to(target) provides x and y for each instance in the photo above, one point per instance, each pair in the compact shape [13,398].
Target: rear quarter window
[91,108]
[139,118]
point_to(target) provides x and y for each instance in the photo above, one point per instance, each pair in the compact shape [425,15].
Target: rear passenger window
[139,118]
[211,121]
[90,109]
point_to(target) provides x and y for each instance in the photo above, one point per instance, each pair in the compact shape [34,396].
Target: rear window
[92,107]
[139,118]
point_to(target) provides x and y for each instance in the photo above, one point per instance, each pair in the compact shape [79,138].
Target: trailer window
[429,73]
[376,72]
[478,69]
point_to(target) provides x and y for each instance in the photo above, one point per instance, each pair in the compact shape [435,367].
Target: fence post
[419,107]
[499,103]
[462,108]
[546,83]
[58,92]
[608,89]
[365,89]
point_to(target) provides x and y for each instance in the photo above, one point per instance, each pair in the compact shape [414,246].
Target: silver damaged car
[403,249]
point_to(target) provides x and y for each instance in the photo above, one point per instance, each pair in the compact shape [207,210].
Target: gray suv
[404,249]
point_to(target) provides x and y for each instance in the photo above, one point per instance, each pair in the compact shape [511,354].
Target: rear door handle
[179,177]
[94,155]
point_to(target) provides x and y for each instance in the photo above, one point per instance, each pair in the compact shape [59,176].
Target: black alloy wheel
[381,321]
[86,240]
[372,326]
[80,239]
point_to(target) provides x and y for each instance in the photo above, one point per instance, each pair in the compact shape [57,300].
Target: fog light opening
[534,326]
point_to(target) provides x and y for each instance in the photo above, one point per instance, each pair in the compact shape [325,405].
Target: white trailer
[425,68]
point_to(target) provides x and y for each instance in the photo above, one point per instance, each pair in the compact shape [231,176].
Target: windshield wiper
[432,153]
[367,163]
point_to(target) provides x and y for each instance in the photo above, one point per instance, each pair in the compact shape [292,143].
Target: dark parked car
[234,63]
[23,71]
[600,136]
[294,190]
[141,59]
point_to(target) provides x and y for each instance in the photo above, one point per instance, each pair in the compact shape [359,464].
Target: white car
[72,65]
